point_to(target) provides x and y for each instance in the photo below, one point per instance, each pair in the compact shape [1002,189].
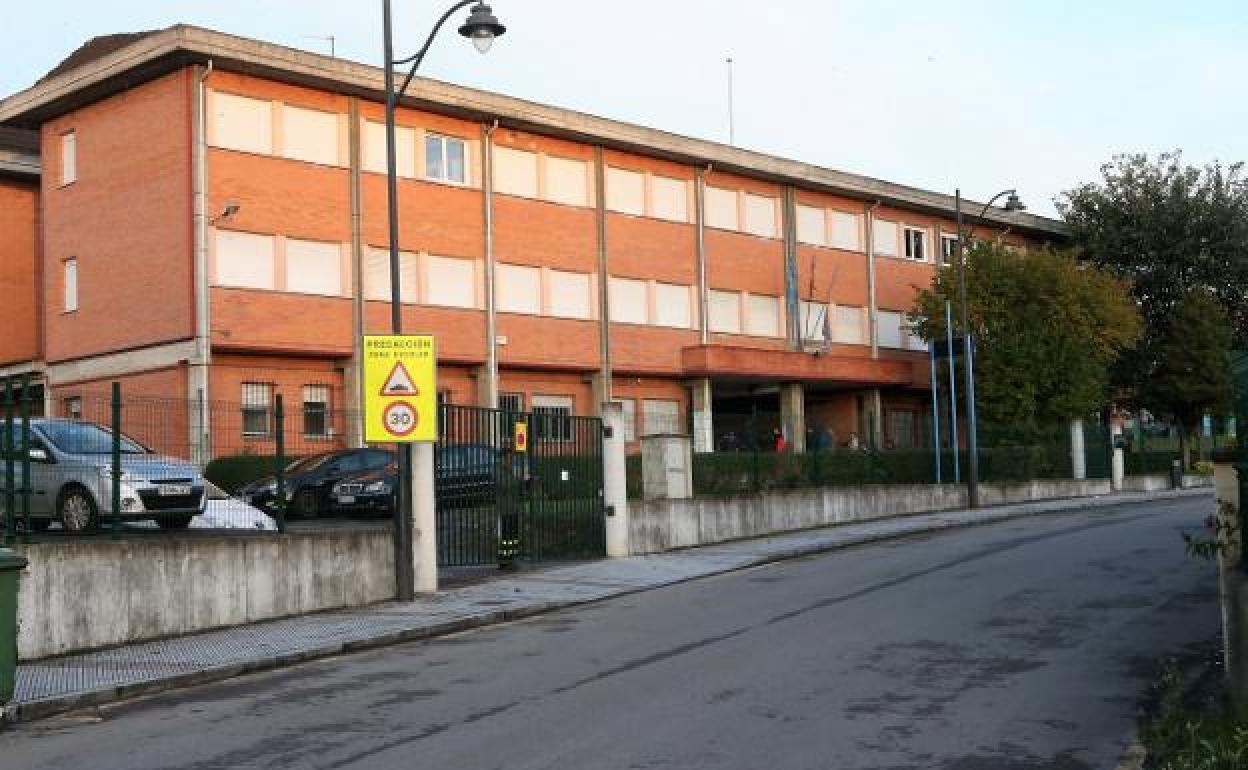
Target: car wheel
[173,522]
[77,510]
[307,504]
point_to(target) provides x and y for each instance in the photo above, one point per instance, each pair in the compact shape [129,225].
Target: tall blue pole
[953,396]
[931,354]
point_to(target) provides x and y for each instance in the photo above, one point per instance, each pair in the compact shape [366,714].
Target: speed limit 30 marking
[400,418]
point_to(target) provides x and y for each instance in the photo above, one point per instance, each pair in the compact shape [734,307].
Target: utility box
[11,566]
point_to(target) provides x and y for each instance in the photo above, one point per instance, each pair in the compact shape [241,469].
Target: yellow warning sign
[521,443]
[400,388]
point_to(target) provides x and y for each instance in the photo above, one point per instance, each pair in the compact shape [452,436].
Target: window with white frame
[377,276]
[519,289]
[244,260]
[568,294]
[626,191]
[669,198]
[446,159]
[71,285]
[948,248]
[313,267]
[309,135]
[551,417]
[721,208]
[916,243]
[515,172]
[884,238]
[241,123]
[815,321]
[69,158]
[452,282]
[760,215]
[725,311]
[672,306]
[374,140]
[567,181]
[810,223]
[629,407]
[316,411]
[846,231]
[660,415]
[849,325]
[888,327]
[257,408]
[764,316]
[628,301]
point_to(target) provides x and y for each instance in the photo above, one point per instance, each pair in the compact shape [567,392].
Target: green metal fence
[517,486]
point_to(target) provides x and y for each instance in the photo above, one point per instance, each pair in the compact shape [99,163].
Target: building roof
[110,64]
[19,152]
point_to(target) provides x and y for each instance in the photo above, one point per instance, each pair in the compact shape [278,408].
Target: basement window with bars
[316,411]
[551,418]
[257,408]
[511,402]
[445,159]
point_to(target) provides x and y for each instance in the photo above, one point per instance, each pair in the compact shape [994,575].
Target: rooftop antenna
[731,128]
[326,38]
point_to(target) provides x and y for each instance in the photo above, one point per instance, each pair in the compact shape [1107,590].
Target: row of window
[257,410]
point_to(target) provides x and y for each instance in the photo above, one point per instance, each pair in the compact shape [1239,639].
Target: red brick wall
[127,220]
[155,409]
[21,274]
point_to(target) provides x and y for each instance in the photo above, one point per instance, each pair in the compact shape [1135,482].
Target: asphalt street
[1022,645]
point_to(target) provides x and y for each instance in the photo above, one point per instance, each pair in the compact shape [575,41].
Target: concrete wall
[1159,481]
[87,594]
[663,525]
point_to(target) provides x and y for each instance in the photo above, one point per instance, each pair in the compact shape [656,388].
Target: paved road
[1016,646]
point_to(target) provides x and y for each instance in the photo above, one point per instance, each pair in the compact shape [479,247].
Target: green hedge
[233,472]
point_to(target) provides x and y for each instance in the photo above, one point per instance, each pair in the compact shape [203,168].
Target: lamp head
[481,27]
[1012,203]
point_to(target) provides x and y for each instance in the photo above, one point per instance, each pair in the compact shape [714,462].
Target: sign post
[401,407]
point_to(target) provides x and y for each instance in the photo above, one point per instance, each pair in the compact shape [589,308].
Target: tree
[1169,229]
[1047,330]
[1188,372]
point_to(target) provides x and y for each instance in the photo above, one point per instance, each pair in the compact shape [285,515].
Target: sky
[977,94]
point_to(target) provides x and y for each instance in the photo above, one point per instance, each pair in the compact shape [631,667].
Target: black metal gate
[517,486]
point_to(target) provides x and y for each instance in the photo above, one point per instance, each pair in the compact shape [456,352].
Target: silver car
[71,479]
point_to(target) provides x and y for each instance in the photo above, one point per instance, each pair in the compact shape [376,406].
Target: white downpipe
[200,422]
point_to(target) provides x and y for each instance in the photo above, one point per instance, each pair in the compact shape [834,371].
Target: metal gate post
[24,492]
[10,485]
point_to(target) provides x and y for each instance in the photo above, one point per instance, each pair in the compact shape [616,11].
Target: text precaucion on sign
[400,388]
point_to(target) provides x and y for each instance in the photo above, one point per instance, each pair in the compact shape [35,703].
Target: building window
[628,301]
[672,306]
[760,215]
[445,159]
[916,244]
[374,149]
[764,316]
[69,158]
[888,329]
[815,321]
[552,418]
[884,238]
[810,225]
[244,260]
[452,282]
[629,407]
[567,181]
[243,124]
[257,408]
[669,198]
[309,135]
[568,294]
[316,411]
[519,289]
[721,208]
[313,267]
[626,191]
[900,426]
[845,231]
[660,416]
[515,172]
[71,285]
[377,275]
[725,311]
[73,408]
[948,249]
[511,402]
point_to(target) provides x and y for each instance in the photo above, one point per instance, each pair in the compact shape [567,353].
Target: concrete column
[703,420]
[1078,455]
[875,419]
[615,480]
[1117,463]
[424,520]
[793,415]
[666,467]
[487,381]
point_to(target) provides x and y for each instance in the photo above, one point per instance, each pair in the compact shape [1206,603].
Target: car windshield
[84,438]
[305,464]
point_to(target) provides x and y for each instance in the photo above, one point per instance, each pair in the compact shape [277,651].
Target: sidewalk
[90,679]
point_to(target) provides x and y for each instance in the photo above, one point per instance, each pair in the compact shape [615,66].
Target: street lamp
[1012,203]
[481,27]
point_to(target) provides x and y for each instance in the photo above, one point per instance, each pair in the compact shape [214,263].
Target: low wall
[662,525]
[95,593]
[1158,481]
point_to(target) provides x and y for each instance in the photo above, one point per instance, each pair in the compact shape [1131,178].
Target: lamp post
[481,27]
[1012,203]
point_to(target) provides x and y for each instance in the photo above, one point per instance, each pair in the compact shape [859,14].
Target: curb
[51,706]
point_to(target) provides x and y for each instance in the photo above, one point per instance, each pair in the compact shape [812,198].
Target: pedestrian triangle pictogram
[399,383]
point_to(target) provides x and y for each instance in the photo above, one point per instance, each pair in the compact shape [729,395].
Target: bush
[235,471]
[1203,468]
